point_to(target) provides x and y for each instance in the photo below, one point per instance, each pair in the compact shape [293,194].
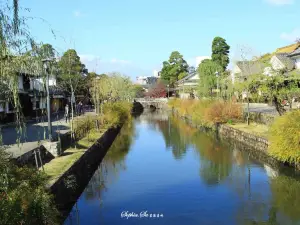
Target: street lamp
[46,64]
[217,75]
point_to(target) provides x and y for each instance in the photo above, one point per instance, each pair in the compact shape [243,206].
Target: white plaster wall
[43,101]
[276,64]
[20,80]
[297,63]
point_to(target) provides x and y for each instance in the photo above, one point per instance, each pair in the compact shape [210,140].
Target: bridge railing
[151,99]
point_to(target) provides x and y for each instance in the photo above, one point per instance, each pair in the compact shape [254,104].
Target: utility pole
[46,63]
[217,75]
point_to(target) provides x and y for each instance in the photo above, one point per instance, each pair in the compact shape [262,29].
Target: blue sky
[134,36]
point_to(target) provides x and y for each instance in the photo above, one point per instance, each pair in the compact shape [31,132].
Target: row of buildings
[285,59]
[33,98]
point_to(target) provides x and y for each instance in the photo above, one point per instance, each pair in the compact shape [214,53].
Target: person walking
[80,108]
[67,113]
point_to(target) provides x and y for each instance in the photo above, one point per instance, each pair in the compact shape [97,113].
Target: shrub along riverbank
[283,135]
[24,198]
[208,112]
[89,131]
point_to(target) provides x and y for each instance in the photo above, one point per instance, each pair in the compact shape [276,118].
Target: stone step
[52,147]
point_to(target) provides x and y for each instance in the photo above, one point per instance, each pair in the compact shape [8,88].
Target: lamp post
[217,75]
[46,63]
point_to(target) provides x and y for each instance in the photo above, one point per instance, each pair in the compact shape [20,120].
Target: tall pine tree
[220,52]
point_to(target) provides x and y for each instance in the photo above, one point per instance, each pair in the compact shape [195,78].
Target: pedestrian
[67,113]
[80,108]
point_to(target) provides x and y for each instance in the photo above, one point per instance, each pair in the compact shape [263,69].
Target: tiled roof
[250,67]
[286,61]
[288,49]
[296,52]
[187,77]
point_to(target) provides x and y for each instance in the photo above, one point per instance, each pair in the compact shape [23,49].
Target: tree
[174,69]
[220,51]
[71,75]
[207,74]
[114,87]
[139,91]
[46,51]
[100,91]
[71,71]
[157,91]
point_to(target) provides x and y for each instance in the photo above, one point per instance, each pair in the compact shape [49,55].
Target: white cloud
[77,13]
[197,60]
[292,36]
[280,2]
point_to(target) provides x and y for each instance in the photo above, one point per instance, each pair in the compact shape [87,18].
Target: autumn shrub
[284,137]
[222,112]
[207,111]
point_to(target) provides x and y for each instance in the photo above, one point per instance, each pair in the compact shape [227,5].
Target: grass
[56,167]
[254,128]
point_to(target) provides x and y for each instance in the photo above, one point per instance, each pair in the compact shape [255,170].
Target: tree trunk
[279,108]
[72,116]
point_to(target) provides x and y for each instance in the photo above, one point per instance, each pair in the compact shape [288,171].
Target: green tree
[114,87]
[207,74]
[71,75]
[174,69]
[46,51]
[139,91]
[220,52]
[71,71]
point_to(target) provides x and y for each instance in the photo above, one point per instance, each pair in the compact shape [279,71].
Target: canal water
[161,171]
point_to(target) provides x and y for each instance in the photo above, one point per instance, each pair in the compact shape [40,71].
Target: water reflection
[160,163]
[108,170]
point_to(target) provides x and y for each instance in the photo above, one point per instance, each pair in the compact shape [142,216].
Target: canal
[161,171]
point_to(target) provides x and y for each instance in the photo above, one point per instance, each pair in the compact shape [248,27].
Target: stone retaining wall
[262,118]
[256,142]
[71,184]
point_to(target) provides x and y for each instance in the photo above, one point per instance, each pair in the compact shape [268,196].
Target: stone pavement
[30,137]
[265,108]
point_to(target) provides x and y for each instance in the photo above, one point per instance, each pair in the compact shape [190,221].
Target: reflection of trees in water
[176,138]
[216,160]
[286,196]
[258,207]
[232,165]
[112,164]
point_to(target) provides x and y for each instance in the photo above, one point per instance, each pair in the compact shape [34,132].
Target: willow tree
[208,80]
[114,87]
[23,198]
[100,92]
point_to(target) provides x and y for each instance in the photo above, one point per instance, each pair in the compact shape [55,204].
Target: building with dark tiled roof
[282,61]
[243,69]
[295,55]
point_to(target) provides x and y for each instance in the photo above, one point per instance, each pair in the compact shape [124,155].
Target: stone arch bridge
[150,103]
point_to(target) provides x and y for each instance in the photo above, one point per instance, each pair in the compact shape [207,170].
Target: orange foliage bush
[221,112]
[208,111]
